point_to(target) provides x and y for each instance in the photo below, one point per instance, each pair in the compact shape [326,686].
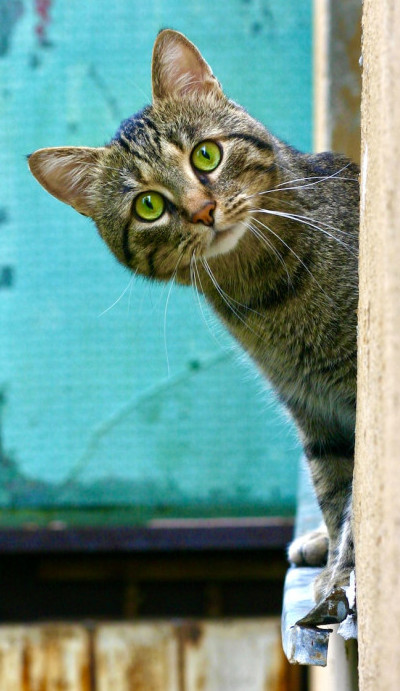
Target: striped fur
[278,263]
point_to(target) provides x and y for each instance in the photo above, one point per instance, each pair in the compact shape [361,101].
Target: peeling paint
[11,12]
[7,277]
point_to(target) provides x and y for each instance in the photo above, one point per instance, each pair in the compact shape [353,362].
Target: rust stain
[137,657]
[25,669]
[192,633]
[55,657]
[141,658]
[201,682]
[281,675]
[181,660]
[89,673]
[147,671]
[30,654]
[86,678]
[139,676]
[189,634]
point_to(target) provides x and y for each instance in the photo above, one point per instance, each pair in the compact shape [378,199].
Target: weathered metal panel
[136,657]
[134,406]
[11,658]
[237,655]
[44,658]
[234,655]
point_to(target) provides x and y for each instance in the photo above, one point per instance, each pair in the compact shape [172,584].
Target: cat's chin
[224,241]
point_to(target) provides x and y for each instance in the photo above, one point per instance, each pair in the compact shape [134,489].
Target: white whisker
[193,271]
[317,180]
[229,297]
[294,254]
[120,297]
[323,223]
[171,284]
[258,234]
[347,233]
[228,300]
[130,292]
[299,219]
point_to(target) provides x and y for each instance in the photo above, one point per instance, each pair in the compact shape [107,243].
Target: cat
[193,189]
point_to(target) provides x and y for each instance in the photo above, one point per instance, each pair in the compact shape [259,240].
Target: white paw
[310,549]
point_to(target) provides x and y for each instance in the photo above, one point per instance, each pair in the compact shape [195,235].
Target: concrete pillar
[377,473]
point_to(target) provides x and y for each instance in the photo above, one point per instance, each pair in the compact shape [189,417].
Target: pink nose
[205,214]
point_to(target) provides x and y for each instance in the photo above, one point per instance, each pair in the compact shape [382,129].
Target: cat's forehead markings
[173,138]
[172,150]
[132,187]
[132,178]
[129,185]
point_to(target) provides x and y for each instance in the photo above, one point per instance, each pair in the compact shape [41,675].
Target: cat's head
[177,178]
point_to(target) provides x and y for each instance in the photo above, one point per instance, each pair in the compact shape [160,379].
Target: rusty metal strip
[302,645]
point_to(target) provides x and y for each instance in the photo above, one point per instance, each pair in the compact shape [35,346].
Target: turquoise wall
[122,400]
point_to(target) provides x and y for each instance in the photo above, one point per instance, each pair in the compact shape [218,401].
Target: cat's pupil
[205,153]
[148,203]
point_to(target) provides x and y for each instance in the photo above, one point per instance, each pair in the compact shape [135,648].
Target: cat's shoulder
[330,163]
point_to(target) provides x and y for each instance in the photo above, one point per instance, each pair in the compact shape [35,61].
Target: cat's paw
[310,549]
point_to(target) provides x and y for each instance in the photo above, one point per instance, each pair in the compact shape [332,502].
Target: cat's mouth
[224,240]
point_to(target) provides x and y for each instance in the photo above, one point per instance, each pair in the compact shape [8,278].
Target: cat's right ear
[178,68]
[69,173]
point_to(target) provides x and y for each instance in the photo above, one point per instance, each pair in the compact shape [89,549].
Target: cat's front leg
[330,587]
[312,549]
[341,559]
[333,478]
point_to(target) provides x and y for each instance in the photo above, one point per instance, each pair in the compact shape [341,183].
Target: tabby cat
[193,189]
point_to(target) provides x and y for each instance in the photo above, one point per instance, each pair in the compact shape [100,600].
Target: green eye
[150,206]
[206,156]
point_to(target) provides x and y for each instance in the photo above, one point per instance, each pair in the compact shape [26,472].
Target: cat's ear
[68,173]
[178,67]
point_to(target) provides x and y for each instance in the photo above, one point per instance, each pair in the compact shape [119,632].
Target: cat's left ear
[178,68]
[69,173]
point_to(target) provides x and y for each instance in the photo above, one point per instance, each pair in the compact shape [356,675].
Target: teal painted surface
[118,395]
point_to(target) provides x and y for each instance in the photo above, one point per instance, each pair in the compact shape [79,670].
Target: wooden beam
[163,536]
